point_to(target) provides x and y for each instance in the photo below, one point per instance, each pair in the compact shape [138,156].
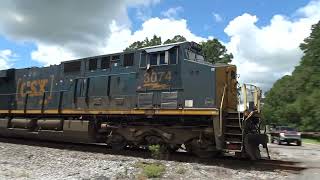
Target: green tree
[135,45]
[154,41]
[145,43]
[175,39]
[294,100]
[215,52]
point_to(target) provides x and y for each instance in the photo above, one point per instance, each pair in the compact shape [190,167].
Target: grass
[311,141]
[151,170]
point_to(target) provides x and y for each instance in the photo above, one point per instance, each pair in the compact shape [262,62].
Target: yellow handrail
[256,93]
[221,108]
[244,93]
[257,98]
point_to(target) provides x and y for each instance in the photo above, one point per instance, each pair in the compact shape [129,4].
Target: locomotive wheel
[202,149]
[117,142]
[174,148]
[251,147]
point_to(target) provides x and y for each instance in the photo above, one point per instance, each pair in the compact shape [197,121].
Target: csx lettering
[154,77]
[33,88]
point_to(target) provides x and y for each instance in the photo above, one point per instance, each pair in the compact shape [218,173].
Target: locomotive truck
[167,95]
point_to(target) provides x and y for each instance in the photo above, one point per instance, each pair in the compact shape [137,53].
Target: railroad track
[179,156]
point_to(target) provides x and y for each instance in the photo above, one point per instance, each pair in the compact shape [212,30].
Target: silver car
[285,134]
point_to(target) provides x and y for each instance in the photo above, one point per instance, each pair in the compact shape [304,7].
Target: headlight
[299,134]
[282,134]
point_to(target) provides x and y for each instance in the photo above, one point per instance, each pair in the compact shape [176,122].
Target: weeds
[151,170]
[155,151]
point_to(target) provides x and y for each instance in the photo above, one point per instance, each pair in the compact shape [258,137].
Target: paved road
[308,156]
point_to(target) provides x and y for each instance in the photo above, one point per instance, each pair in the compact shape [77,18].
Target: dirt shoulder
[306,156]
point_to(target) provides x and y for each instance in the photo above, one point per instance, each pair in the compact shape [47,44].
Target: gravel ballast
[25,161]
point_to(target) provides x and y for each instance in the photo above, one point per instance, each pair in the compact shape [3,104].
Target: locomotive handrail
[221,108]
[258,98]
[34,93]
[26,99]
[256,93]
[245,98]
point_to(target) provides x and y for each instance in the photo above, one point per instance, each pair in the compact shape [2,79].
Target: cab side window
[128,60]
[105,63]
[163,58]
[159,58]
[173,53]
[143,60]
[93,64]
[115,60]
[72,67]
[153,59]
[192,56]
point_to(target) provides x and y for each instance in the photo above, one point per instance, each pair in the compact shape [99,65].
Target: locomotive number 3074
[157,77]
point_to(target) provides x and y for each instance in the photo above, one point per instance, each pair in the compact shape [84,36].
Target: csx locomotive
[167,95]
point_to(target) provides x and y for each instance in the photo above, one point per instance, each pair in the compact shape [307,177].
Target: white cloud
[172,12]
[52,54]
[143,8]
[264,54]
[73,28]
[143,13]
[121,37]
[6,57]
[79,28]
[217,17]
[142,2]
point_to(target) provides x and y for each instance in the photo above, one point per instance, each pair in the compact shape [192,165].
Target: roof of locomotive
[164,45]
[131,51]
[194,45]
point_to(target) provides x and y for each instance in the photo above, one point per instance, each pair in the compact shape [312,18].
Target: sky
[263,35]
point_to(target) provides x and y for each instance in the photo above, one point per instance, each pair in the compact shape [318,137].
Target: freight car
[167,95]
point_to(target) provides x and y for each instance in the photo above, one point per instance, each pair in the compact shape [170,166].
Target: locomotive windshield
[193,56]
[158,58]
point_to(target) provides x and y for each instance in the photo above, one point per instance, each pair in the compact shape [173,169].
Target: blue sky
[201,19]
[263,35]
[22,52]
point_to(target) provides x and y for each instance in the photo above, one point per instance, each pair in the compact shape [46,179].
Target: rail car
[167,95]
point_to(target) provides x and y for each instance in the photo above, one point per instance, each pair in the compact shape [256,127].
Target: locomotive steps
[233,132]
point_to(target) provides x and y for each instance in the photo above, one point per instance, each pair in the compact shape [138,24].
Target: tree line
[294,100]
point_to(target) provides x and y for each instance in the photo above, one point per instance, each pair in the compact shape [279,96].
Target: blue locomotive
[167,95]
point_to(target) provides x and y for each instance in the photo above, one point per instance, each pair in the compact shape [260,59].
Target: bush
[155,151]
[152,170]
